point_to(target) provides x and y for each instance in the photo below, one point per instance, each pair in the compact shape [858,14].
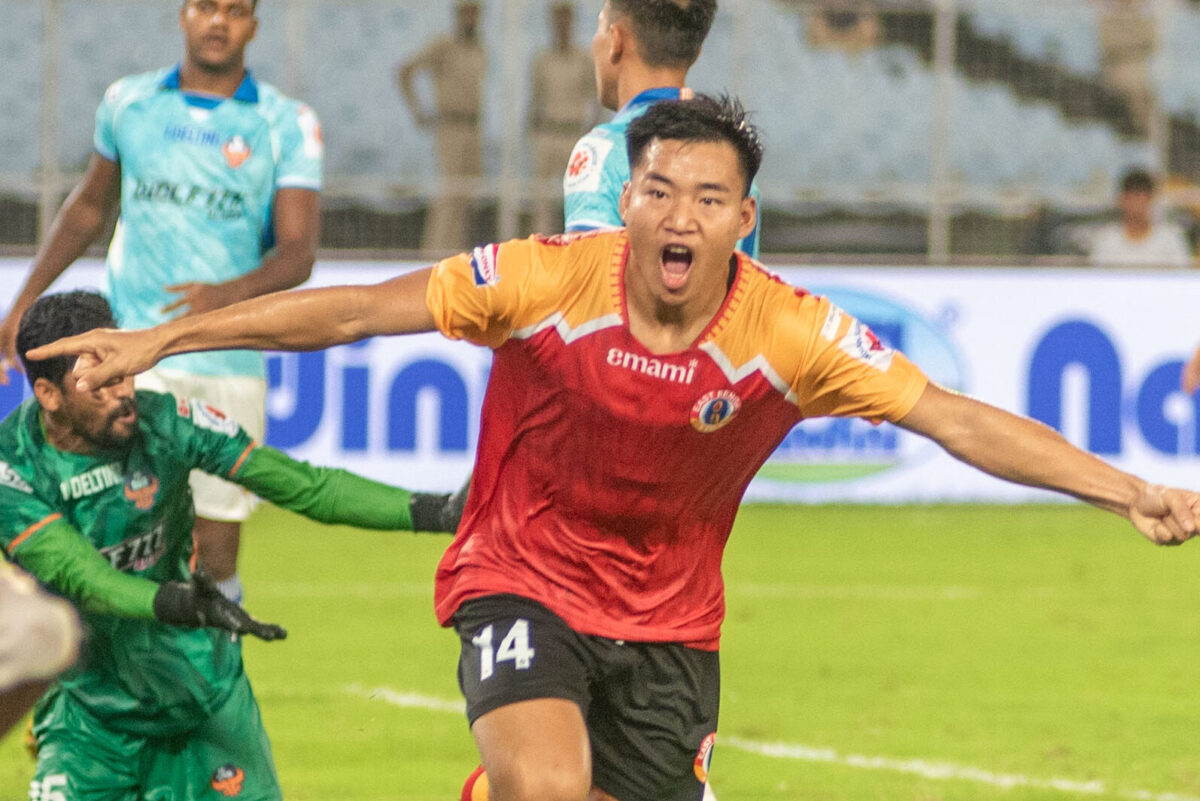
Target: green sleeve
[60,558]
[327,495]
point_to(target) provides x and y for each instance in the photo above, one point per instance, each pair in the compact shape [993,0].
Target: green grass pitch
[945,653]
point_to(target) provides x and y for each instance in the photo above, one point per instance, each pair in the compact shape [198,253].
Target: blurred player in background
[559,107]
[39,638]
[641,52]
[216,176]
[95,504]
[641,377]
[456,65]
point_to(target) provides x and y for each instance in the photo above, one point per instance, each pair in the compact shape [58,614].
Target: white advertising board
[1095,354]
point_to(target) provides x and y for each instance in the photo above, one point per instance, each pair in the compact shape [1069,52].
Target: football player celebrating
[641,377]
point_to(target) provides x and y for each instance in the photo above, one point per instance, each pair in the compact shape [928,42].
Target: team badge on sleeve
[213,419]
[484,265]
[310,128]
[861,343]
[714,410]
[584,168]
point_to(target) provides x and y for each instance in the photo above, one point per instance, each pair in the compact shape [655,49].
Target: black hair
[53,317]
[702,118]
[668,32]
[1137,180]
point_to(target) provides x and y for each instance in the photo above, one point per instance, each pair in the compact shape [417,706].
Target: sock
[476,786]
[231,588]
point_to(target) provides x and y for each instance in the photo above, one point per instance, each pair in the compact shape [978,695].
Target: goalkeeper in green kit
[95,504]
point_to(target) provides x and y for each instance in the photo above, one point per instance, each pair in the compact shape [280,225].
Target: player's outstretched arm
[308,319]
[1027,452]
[333,495]
[1190,380]
[76,226]
[63,560]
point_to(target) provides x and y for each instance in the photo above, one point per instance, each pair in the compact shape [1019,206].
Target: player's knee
[538,783]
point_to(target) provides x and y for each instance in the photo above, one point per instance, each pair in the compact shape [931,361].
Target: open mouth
[676,262]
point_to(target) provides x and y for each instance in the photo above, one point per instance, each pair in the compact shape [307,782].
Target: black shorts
[650,708]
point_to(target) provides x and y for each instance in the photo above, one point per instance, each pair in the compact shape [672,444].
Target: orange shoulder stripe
[29,532]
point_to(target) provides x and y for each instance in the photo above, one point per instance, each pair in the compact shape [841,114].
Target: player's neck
[638,78]
[663,327]
[218,82]
[1137,229]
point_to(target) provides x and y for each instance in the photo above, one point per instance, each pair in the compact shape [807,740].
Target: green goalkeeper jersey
[105,529]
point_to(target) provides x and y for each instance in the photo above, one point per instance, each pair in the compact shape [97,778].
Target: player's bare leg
[536,751]
[217,544]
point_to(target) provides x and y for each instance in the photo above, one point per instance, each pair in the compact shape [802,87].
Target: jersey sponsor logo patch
[183,408]
[235,151]
[213,419]
[861,343]
[646,365]
[585,168]
[714,410]
[141,489]
[10,479]
[704,757]
[140,552]
[310,129]
[484,265]
[228,780]
[95,480]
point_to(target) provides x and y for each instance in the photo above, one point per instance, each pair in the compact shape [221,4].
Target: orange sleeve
[845,371]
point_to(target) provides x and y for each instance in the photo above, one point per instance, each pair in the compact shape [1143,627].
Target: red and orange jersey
[607,476]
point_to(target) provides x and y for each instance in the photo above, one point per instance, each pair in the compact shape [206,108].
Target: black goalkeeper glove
[438,512]
[199,604]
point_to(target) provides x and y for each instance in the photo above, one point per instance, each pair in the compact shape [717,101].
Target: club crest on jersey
[236,151]
[861,343]
[228,780]
[484,261]
[141,489]
[704,757]
[715,410]
[10,479]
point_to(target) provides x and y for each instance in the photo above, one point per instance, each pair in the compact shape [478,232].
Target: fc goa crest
[141,489]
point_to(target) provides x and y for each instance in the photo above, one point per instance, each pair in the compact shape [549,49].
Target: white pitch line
[937,771]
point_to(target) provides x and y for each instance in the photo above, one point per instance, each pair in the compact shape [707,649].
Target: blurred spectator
[456,66]
[850,26]
[1138,239]
[1128,38]
[560,109]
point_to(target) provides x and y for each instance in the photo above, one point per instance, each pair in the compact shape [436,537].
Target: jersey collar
[652,96]
[247,91]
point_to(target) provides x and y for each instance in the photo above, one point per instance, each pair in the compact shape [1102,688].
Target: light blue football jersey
[599,168]
[198,176]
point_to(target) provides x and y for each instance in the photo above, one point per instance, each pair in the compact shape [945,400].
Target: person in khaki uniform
[560,108]
[456,66]
[1128,37]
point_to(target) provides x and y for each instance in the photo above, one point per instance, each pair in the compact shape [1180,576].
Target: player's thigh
[228,756]
[78,759]
[525,677]
[653,720]
[240,398]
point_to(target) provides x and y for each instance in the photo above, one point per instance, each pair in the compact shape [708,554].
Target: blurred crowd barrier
[949,131]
